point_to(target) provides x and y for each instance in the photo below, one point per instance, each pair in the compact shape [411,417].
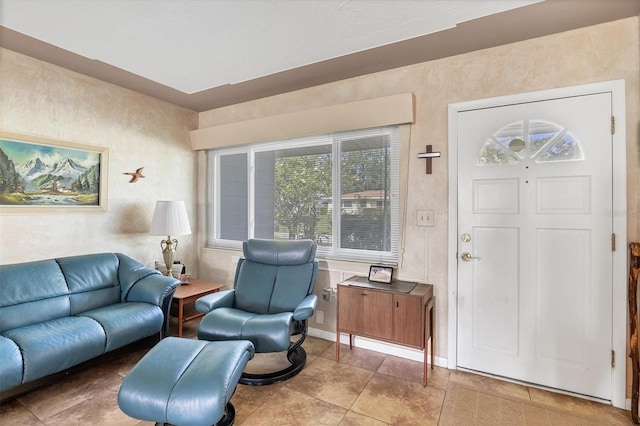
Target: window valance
[384,111]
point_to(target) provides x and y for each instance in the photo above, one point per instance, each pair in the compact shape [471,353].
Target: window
[540,140]
[288,189]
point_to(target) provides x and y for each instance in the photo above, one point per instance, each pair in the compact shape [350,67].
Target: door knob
[467,256]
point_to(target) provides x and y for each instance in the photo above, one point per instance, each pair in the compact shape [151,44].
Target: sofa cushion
[125,323]
[92,280]
[24,286]
[56,345]
[10,364]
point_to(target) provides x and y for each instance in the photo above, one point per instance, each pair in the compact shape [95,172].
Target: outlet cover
[320,317]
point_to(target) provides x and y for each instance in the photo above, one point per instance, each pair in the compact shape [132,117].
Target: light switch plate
[424,217]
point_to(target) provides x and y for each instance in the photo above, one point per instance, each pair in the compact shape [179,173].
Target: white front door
[534,242]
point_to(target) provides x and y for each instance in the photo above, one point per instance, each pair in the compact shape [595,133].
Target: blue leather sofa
[57,313]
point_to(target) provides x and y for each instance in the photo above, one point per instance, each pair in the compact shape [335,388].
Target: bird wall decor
[135,176]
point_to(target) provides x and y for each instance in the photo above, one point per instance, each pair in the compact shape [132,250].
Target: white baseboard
[377,346]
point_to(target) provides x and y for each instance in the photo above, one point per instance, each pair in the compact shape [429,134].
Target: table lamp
[170,218]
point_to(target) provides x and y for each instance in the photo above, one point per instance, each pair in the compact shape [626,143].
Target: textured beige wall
[46,100]
[42,99]
[600,53]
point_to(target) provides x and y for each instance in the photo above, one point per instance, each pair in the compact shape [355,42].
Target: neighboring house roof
[372,193]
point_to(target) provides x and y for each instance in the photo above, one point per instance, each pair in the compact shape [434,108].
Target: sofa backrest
[34,292]
[92,280]
[275,276]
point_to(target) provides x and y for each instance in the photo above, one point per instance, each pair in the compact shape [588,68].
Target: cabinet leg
[338,344]
[432,319]
[429,335]
[424,368]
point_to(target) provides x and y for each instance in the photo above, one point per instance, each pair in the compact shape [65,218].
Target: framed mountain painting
[45,175]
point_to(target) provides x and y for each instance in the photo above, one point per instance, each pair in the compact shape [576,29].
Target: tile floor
[364,388]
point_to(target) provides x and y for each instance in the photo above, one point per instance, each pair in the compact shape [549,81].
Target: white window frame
[333,139]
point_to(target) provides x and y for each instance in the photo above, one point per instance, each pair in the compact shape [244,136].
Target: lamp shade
[170,218]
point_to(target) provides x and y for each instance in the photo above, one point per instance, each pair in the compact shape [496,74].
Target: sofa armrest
[306,308]
[221,299]
[153,289]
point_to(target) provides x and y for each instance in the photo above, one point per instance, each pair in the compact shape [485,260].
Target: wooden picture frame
[380,274]
[42,175]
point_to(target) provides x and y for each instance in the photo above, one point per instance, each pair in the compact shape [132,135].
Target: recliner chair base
[296,355]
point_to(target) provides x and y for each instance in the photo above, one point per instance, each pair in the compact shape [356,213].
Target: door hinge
[613,358]
[613,242]
[613,125]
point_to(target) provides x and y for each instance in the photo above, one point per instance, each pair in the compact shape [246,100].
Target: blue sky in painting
[20,152]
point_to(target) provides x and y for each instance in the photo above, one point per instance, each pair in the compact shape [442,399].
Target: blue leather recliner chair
[271,301]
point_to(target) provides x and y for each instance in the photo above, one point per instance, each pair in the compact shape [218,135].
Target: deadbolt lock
[465,237]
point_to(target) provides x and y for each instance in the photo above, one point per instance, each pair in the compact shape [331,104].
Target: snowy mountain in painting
[38,174]
[67,168]
[32,169]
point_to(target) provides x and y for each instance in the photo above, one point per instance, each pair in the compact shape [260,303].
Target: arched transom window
[540,140]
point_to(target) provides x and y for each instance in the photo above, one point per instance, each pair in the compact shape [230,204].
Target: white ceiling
[195,45]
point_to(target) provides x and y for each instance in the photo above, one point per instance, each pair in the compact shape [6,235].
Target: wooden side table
[405,318]
[188,293]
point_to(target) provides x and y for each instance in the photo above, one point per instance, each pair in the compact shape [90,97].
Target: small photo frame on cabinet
[380,274]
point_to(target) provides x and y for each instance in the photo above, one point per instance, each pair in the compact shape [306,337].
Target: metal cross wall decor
[429,155]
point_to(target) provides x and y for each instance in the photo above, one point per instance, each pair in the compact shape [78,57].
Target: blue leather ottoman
[185,382]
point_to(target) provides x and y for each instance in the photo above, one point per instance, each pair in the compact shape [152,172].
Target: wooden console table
[188,293]
[383,312]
